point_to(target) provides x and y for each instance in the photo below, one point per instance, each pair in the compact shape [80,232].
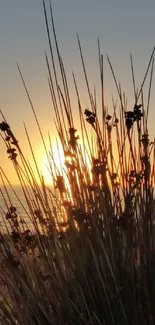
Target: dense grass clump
[89,257]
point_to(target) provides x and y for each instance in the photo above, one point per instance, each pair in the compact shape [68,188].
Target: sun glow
[56,164]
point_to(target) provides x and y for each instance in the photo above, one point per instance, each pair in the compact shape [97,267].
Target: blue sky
[122,26]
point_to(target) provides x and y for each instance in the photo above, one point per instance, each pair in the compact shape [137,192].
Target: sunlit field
[77,242]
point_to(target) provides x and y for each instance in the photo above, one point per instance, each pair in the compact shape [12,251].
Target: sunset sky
[122,26]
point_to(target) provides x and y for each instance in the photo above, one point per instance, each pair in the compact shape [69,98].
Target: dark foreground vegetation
[89,258]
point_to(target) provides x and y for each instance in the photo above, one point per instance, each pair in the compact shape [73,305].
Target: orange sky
[23,40]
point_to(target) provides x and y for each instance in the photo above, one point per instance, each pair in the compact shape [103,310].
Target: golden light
[58,164]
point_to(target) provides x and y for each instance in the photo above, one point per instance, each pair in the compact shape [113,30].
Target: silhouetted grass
[90,256]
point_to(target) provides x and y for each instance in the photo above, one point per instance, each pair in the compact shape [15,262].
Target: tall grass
[90,256]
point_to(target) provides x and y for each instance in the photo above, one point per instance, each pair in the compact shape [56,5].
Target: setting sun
[58,163]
